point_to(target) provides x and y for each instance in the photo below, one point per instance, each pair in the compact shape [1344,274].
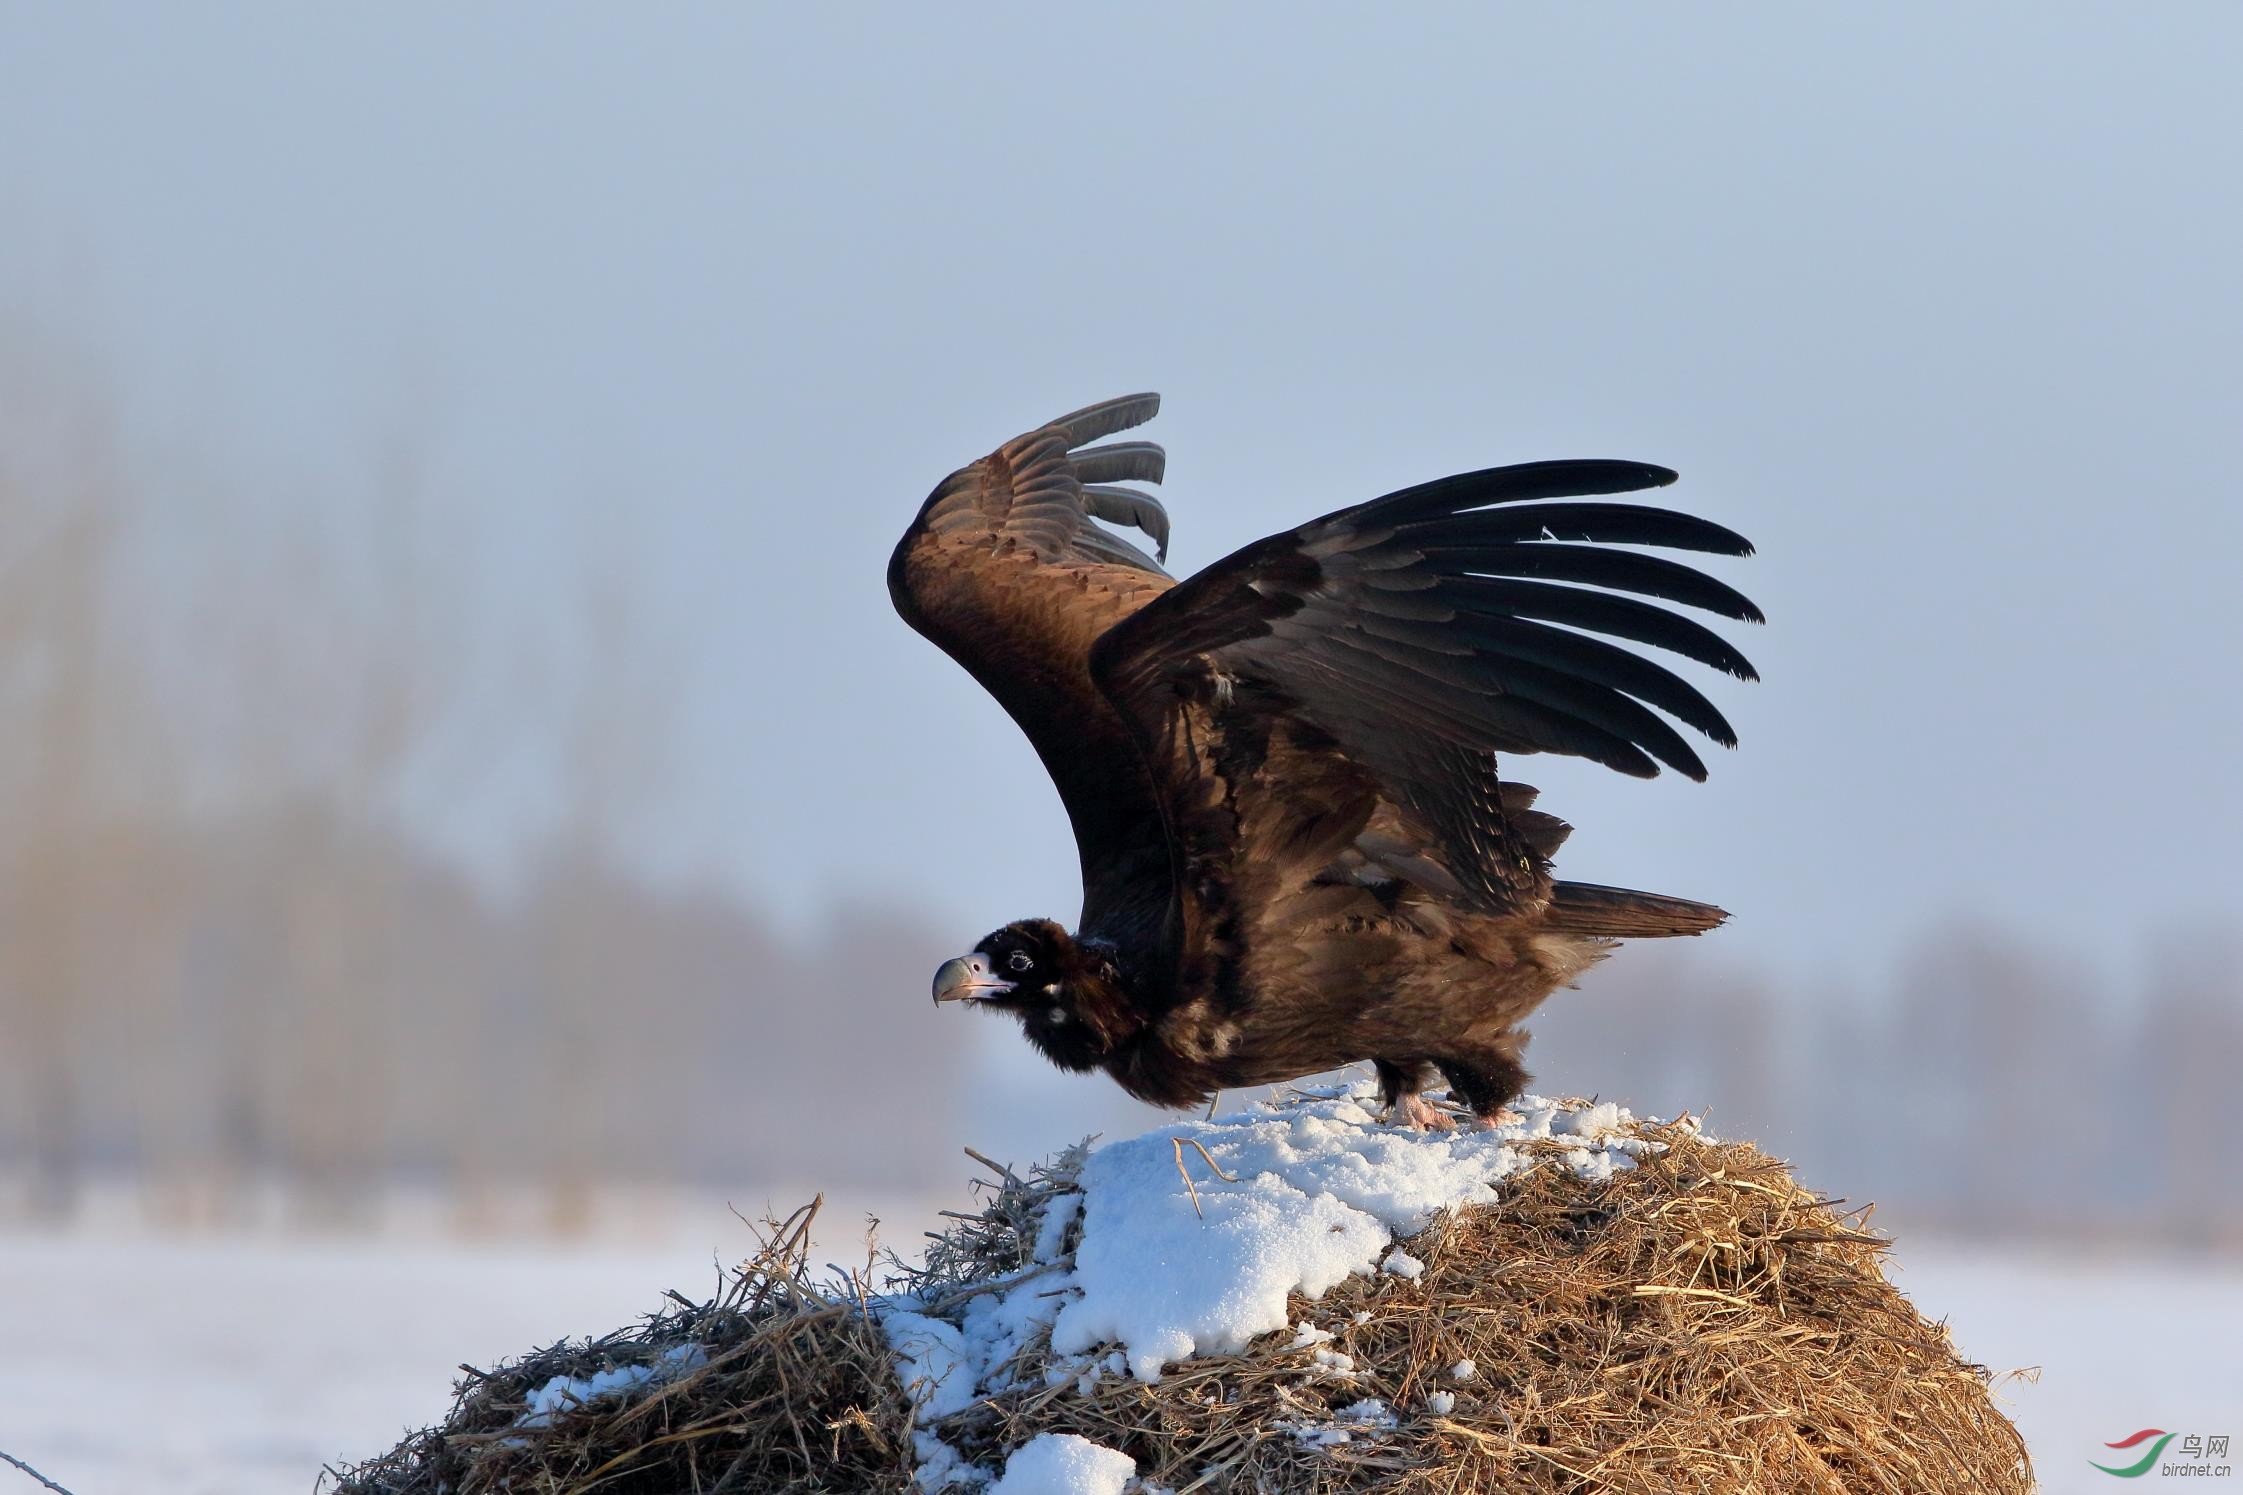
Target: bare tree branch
[9,1458]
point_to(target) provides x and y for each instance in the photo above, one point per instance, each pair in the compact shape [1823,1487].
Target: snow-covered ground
[2123,1343]
[132,1362]
[215,1364]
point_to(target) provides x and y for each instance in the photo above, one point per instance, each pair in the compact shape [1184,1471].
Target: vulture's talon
[1420,1115]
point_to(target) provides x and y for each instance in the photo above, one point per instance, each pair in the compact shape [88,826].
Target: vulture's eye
[1020,960]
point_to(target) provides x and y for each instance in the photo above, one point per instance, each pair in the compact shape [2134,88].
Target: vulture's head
[1064,994]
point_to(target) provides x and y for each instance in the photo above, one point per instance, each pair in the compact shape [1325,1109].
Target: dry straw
[1698,1323]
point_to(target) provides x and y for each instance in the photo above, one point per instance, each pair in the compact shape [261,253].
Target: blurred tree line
[227,965]
[1986,1088]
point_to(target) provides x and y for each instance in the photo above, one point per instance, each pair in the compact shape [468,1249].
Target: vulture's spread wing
[1006,571]
[1418,634]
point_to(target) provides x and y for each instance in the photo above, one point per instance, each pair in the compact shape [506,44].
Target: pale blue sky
[1938,304]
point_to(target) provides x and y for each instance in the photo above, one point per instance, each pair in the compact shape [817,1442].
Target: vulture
[1282,772]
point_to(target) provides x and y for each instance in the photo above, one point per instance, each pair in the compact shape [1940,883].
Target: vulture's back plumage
[1282,771]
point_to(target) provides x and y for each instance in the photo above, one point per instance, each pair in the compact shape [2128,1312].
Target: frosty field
[238,1365]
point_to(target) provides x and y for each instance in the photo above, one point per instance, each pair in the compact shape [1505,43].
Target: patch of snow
[948,1361]
[549,1400]
[1052,1230]
[1464,1370]
[941,1466]
[1591,1121]
[932,1363]
[1332,1090]
[1369,1417]
[1441,1403]
[1064,1464]
[948,1366]
[1320,1192]
[1370,1412]
[1401,1264]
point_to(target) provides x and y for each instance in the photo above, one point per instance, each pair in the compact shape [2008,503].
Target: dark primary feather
[1598,612]
[1612,524]
[1120,462]
[1518,483]
[1099,421]
[1118,505]
[1621,570]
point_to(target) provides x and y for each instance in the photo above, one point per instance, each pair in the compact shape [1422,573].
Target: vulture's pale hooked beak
[968,979]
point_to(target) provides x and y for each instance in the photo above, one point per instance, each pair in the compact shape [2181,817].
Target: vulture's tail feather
[1625,914]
